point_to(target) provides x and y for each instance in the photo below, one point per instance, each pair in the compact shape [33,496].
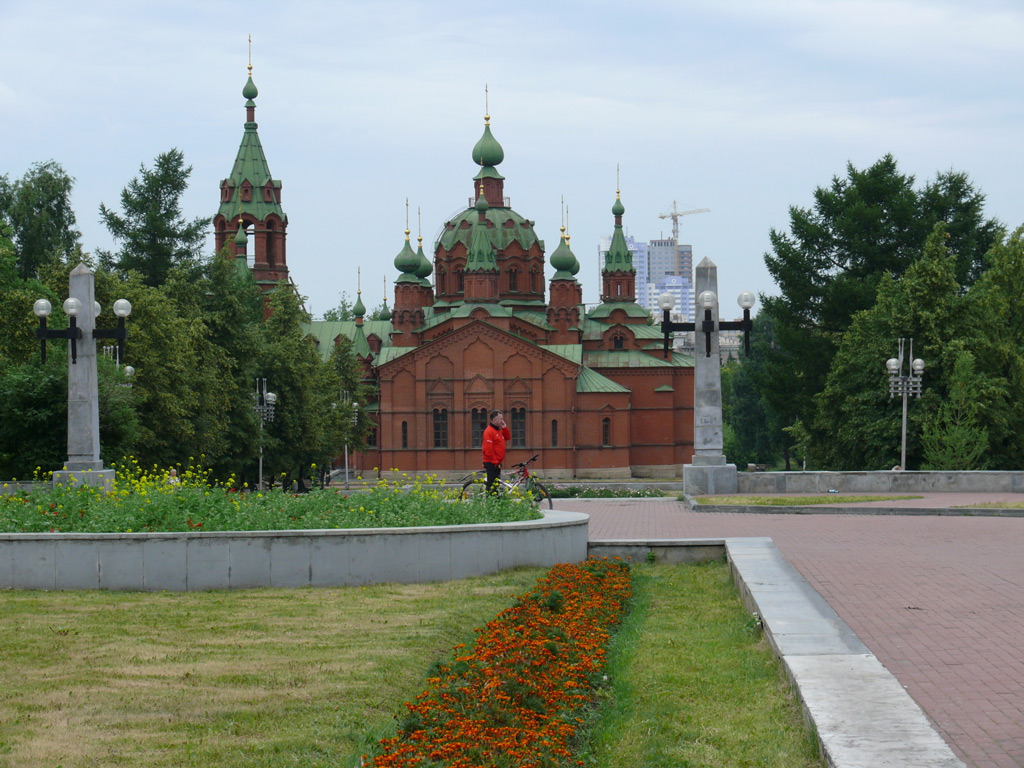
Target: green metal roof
[499,236]
[632,358]
[571,352]
[592,381]
[631,307]
[324,332]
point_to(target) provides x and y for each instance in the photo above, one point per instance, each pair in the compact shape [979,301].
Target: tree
[868,225]
[38,208]
[153,233]
[307,424]
[955,438]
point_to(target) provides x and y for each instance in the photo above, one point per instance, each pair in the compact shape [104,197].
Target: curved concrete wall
[881,482]
[238,560]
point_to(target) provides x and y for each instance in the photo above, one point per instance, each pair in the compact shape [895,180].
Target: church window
[513,280]
[405,434]
[462,280]
[479,418]
[246,193]
[440,427]
[270,248]
[518,427]
[534,286]
[606,432]
[618,341]
[371,439]
[440,280]
[618,290]
[554,433]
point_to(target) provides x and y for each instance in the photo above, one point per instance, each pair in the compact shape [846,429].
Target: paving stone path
[939,601]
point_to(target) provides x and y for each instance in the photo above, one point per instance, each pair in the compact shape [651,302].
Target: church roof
[499,232]
[592,381]
[633,358]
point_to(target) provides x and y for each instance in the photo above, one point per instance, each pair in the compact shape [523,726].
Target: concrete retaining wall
[238,560]
[880,482]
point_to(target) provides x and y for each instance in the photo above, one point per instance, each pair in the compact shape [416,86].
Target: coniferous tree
[152,231]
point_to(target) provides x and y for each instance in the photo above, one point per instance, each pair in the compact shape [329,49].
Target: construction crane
[675,214]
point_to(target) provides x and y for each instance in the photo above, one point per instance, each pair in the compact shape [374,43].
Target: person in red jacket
[495,436]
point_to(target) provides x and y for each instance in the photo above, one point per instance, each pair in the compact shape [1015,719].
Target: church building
[481,327]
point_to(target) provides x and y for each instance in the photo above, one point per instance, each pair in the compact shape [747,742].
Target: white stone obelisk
[709,472]
[84,466]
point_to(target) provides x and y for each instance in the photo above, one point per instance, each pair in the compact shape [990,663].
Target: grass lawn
[310,677]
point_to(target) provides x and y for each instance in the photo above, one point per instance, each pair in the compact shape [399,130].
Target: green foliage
[861,237]
[38,208]
[153,233]
[954,438]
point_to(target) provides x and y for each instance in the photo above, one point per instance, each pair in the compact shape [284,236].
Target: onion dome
[562,259]
[424,269]
[407,263]
[385,313]
[241,240]
[249,91]
[618,208]
[576,262]
[488,151]
[358,309]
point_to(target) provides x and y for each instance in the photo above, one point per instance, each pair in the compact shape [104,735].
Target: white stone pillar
[84,465]
[709,472]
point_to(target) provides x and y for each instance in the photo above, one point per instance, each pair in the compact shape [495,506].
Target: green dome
[240,237]
[488,151]
[618,208]
[385,313]
[250,91]
[425,269]
[481,203]
[358,309]
[406,262]
[563,260]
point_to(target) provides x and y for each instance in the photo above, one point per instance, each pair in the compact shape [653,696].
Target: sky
[740,106]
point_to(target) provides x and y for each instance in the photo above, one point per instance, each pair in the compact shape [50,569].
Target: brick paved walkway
[939,600]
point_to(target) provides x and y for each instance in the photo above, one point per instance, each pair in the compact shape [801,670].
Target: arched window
[606,432]
[405,434]
[271,240]
[462,280]
[618,341]
[513,280]
[518,427]
[479,422]
[440,427]
[554,433]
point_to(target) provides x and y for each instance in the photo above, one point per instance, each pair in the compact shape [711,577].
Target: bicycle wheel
[474,488]
[539,493]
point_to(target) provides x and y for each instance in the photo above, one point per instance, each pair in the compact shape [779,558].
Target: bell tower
[250,204]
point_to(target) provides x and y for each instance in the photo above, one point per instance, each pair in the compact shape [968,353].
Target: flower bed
[144,500]
[520,696]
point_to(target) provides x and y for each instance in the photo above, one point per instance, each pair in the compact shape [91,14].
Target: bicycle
[519,481]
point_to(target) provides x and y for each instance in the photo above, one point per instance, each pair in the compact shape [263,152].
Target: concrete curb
[189,561]
[861,715]
[822,509]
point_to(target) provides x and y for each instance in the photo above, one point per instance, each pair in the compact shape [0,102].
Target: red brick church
[588,390]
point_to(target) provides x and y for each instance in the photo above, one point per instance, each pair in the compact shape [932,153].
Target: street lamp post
[264,407]
[355,420]
[83,464]
[909,385]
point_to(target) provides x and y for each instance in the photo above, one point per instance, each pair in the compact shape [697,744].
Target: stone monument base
[101,478]
[706,479]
